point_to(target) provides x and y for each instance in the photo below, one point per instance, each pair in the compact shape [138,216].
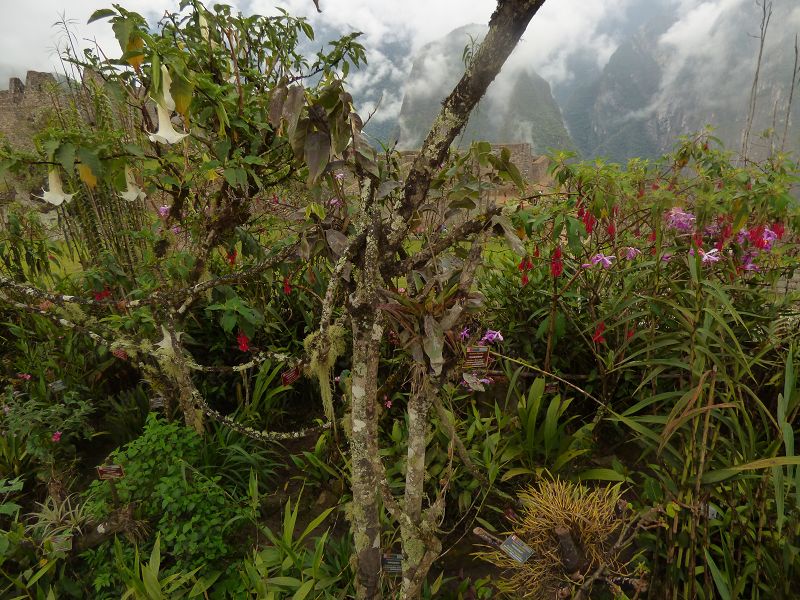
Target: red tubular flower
[598,333]
[525,279]
[243,340]
[652,236]
[630,333]
[756,236]
[698,239]
[779,229]
[98,296]
[589,221]
[287,287]
[232,257]
[556,263]
[611,229]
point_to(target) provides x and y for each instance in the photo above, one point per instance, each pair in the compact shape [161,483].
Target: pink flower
[24,376]
[339,176]
[464,335]
[711,256]
[632,253]
[666,257]
[163,210]
[176,230]
[681,220]
[56,437]
[492,336]
[748,264]
[386,402]
[601,259]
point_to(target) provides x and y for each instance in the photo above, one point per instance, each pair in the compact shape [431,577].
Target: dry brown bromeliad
[573,530]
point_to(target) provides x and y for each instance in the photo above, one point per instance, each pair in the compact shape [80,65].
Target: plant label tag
[156,402]
[392,564]
[57,386]
[516,549]
[61,543]
[110,472]
[290,376]
[476,357]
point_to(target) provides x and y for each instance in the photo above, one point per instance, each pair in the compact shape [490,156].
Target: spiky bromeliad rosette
[572,530]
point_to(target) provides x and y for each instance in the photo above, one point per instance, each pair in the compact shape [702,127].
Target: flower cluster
[681,220]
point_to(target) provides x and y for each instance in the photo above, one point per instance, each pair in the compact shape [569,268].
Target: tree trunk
[365,521]
[367,335]
[414,547]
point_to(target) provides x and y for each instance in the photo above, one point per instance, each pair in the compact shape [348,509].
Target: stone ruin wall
[24,105]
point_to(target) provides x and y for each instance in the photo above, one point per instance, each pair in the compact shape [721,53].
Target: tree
[236,84]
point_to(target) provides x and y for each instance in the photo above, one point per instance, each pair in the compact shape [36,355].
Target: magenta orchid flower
[56,437]
[679,219]
[492,336]
[711,256]
[600,259]
[464,335]
[632,253]
[163,211]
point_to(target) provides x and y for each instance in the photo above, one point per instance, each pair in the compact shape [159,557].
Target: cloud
[32,36]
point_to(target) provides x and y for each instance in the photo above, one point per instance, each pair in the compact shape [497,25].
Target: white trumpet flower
[55,195]
[166,134]
[133,191]
[166,83]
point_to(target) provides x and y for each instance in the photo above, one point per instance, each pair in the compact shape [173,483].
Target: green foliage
[191,511]
[46,428]
[289,568]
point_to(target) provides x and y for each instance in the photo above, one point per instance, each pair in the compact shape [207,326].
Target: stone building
[24,107]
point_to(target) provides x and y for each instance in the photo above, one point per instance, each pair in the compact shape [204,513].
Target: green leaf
[90,159]
[602,474]
[511,473]
[102,13]
[66,156]
[317,154]
[182,89]
[123,28]
[719,580]
[303,590]
[315,523]
[202,584]
[762,463]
